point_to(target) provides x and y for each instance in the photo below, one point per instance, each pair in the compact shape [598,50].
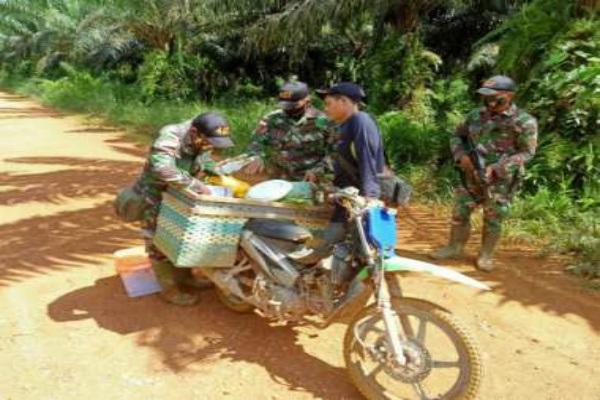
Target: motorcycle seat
[282,230]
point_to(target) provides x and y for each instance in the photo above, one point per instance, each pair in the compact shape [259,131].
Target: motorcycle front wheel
[442,360]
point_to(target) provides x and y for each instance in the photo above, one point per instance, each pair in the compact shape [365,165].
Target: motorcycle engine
[278,302]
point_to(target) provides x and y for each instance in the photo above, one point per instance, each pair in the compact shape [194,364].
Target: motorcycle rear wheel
[412,381]
[234,303]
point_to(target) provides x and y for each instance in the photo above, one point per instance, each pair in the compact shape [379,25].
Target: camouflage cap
[215,127]
[495,84]
[291,93]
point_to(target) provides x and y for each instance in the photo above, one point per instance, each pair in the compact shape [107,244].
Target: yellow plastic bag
[237,186]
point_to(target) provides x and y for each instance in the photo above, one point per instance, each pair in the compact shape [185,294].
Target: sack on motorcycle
[395,191]
[129,205]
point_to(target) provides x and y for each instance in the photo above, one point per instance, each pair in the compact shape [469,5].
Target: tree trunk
[590,6]
[406,15]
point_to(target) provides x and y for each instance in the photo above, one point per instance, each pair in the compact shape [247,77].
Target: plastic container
[237,186]
[220,191]
[135,270]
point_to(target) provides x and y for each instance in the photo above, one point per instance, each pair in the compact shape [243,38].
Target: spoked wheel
[442,360]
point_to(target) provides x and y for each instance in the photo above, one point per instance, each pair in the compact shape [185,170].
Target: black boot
[171,293]
[489,240]
[459,234]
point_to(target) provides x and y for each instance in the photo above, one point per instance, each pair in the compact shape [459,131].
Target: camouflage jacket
[173,161]
[291,147]
[506,141]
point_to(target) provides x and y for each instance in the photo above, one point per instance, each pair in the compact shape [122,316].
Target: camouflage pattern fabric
[291,147]
[172,161]
[506,141]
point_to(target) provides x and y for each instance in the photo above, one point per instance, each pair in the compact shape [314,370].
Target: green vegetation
[144,63]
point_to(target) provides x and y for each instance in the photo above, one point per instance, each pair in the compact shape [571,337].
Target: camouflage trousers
[149,228]
[167,274]
[495,209]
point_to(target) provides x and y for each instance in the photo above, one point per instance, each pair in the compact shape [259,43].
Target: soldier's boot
[459,234]
[489,241]
[171,293]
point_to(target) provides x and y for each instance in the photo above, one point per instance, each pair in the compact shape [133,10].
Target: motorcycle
[395,347]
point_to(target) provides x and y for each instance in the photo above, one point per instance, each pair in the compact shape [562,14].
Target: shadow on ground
[26,112]
[81,177]
[203,334]
[39,244]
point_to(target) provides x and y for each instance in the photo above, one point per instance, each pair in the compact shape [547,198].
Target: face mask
[201,144]
[296,112]
[492,101]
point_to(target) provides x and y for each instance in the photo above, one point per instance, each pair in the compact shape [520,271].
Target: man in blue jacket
[358,155]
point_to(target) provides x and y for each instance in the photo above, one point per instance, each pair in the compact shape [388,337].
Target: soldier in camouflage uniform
[292,142]
[505,138]
[179,156]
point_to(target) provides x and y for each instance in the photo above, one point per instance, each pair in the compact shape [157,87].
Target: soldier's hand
[310,176]
[465,163]
[205,190]
[199,187]
[255,167]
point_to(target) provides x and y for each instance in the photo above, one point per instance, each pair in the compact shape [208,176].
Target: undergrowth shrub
[408,141]
[555,218]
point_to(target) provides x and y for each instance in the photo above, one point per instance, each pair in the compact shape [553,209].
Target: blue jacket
[360,144]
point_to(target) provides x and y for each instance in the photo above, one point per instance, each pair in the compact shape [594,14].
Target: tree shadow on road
[39,244]
[78,178]
[7,113]
[186,338]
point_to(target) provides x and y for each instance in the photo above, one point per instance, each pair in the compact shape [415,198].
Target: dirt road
[67,330]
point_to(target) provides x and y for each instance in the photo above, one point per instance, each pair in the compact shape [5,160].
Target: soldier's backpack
[129,205]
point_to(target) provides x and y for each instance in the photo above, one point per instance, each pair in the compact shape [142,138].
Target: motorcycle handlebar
[350,194]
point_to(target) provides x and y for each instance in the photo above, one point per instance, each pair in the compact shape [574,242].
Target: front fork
[383,298]
[390,320]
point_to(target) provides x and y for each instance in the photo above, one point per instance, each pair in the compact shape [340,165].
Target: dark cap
[215,128]
[495,84]
[348,89]
[291,93]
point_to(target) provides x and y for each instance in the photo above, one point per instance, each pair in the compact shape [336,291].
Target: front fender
[403,264]
[396,263]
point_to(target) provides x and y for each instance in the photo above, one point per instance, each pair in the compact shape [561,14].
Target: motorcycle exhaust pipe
[286,274]
[255,254]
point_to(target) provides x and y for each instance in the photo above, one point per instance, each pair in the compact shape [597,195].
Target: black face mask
[491,100]
[296,112]
[201,144]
